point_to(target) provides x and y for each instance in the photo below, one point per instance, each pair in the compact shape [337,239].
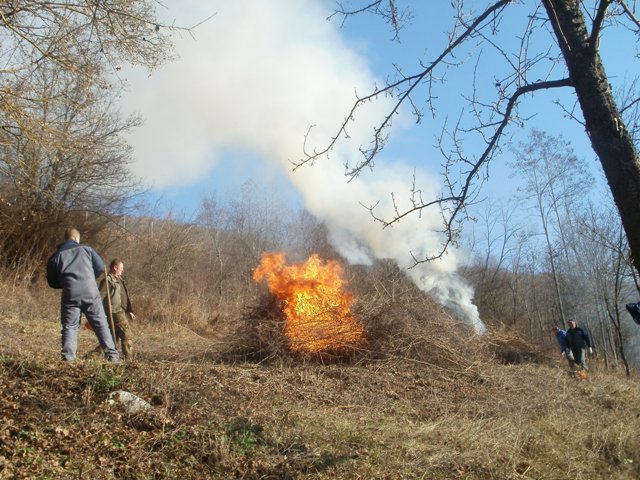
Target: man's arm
[52,274]
[129,306]
[98,264]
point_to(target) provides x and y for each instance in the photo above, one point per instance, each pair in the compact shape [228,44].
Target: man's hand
[132,316]
[590,351]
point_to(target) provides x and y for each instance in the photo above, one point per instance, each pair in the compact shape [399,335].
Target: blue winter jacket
[74,268]
[561,337]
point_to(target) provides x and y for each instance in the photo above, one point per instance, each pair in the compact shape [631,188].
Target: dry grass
[424,400]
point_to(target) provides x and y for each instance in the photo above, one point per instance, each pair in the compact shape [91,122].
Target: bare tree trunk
[608,346]
[554,271]
[603,340]
[220,271]
[611,345]
[610,139]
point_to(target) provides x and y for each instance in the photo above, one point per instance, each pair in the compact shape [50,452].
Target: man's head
[572,324]
[116,267]
[72,233]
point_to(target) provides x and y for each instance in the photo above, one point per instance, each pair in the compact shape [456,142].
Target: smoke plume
[254,78]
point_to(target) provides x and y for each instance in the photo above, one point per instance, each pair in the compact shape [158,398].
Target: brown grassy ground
[383,415]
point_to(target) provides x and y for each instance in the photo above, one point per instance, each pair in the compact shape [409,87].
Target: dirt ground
[387,416]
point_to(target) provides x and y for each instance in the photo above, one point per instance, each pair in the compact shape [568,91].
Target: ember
[317,310]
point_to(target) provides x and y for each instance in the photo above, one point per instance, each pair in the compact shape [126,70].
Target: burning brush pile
[308,311]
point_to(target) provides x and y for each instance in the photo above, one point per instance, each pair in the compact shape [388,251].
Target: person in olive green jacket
[118,305]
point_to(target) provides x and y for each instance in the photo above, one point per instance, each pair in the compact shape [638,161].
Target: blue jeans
[70,318]
[569,356]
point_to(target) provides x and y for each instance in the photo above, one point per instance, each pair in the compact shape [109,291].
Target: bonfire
[314,301]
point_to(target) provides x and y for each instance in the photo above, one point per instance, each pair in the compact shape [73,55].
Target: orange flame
[317,310]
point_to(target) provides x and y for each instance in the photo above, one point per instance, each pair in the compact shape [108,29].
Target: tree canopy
[62,151]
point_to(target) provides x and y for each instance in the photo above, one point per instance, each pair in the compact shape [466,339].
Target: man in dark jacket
[74,268]
[118,305]
[579,340]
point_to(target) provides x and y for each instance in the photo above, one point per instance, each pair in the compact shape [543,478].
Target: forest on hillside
[199,272]
[558,251]
[260,350]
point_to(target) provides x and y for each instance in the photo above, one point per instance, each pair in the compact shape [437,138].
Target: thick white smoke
[255,77]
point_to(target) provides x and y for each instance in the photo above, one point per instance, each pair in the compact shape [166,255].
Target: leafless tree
[76,34]
[496,237]
[557,47]
[63,161]
[604,246]
[553,177]
[63,155]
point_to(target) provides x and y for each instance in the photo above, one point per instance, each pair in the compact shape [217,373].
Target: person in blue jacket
[579,340]
[563,343]
[74,268]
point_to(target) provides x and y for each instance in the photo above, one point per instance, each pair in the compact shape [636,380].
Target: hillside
[380,415]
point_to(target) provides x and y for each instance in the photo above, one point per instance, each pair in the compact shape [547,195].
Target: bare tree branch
[455,204]
[390,13]
[412,82]
[597,23]
[629,13]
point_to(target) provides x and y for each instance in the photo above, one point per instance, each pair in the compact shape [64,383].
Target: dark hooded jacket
[578,338]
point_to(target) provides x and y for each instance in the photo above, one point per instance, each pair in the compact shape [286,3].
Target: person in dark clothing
[74,268]
[118,305]
[579,340]
[565,351]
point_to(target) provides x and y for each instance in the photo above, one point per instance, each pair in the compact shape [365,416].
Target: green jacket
[119,294]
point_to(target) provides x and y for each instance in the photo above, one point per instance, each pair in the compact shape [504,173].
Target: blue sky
[252,79]
[363,40]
